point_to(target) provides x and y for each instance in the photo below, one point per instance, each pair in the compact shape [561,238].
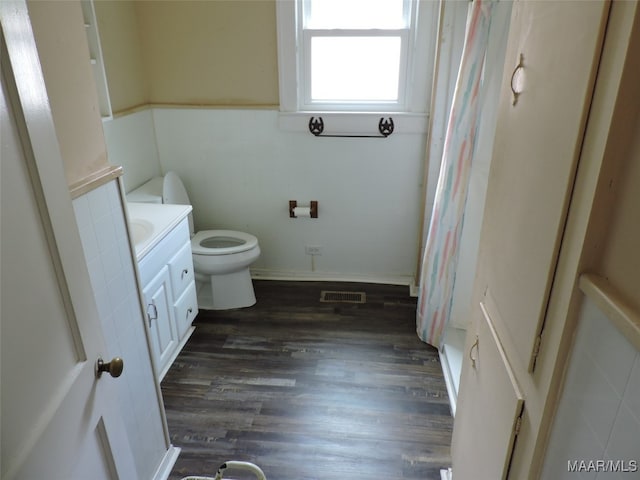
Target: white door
[550,64]
[58,421]
[551,57]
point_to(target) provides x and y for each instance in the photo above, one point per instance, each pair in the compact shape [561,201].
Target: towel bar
[385,127]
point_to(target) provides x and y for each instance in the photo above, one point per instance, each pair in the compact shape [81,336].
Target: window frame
[414,88]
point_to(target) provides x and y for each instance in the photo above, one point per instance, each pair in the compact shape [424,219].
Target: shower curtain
[439,262]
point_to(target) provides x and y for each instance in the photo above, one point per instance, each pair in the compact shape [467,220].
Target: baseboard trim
[265,274]
[167,463]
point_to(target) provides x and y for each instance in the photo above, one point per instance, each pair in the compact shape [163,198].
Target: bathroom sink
[151,222]
[141,230]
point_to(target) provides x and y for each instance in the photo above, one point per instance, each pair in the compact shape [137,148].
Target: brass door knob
[114,367]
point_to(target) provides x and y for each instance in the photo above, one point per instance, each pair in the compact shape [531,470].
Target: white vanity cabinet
[169,292]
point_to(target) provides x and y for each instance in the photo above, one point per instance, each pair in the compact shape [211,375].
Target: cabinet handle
[475,345]
[189,312]
[516,89]
[184,272]
[155,312]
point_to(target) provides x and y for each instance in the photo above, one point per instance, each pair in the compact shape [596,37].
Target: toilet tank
[173,190]
[149,192]
[158,188]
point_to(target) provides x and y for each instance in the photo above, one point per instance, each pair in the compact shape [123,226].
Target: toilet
[221,258]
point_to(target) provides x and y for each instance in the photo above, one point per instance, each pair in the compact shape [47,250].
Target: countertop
[151,222]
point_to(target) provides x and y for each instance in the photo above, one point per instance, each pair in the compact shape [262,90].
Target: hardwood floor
[310,390]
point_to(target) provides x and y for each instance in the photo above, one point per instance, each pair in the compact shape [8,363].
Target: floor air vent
[343,297]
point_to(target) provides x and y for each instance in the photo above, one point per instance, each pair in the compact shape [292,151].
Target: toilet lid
[173,190]
[222,242]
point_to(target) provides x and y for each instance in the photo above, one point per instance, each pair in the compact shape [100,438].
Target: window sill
[353,123]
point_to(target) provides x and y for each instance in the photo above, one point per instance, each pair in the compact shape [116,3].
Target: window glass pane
[355,68]
[356,14]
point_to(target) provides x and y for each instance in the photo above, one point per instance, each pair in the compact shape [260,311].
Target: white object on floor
[446,474]
[247,466]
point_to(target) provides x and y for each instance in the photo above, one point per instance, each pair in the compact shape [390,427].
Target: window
[355,55]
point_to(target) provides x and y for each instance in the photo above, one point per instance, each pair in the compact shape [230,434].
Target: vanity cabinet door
[181,270]
[186,309]
[184,289]
[159,311]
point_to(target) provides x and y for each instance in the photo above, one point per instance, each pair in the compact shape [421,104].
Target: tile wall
[598,417]
[105,242]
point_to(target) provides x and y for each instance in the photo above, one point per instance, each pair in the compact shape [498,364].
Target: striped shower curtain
[441,250]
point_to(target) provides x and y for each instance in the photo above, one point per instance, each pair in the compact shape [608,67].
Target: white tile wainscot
[598,417]
[166,273]
[101,222]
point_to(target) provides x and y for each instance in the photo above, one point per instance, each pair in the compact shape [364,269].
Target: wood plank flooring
[310,390]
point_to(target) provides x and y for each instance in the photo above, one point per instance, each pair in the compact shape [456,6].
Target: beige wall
[620,262]
[181,52]
[120,41]
[614,235]
[58,29]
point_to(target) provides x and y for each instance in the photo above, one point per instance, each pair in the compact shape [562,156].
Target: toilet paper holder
[313,208]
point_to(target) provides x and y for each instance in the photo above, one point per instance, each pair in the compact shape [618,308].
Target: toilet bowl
[221,258]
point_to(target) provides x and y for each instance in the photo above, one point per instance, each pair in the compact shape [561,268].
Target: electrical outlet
[313,249]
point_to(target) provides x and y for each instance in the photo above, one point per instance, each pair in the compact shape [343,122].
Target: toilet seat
[222,242]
